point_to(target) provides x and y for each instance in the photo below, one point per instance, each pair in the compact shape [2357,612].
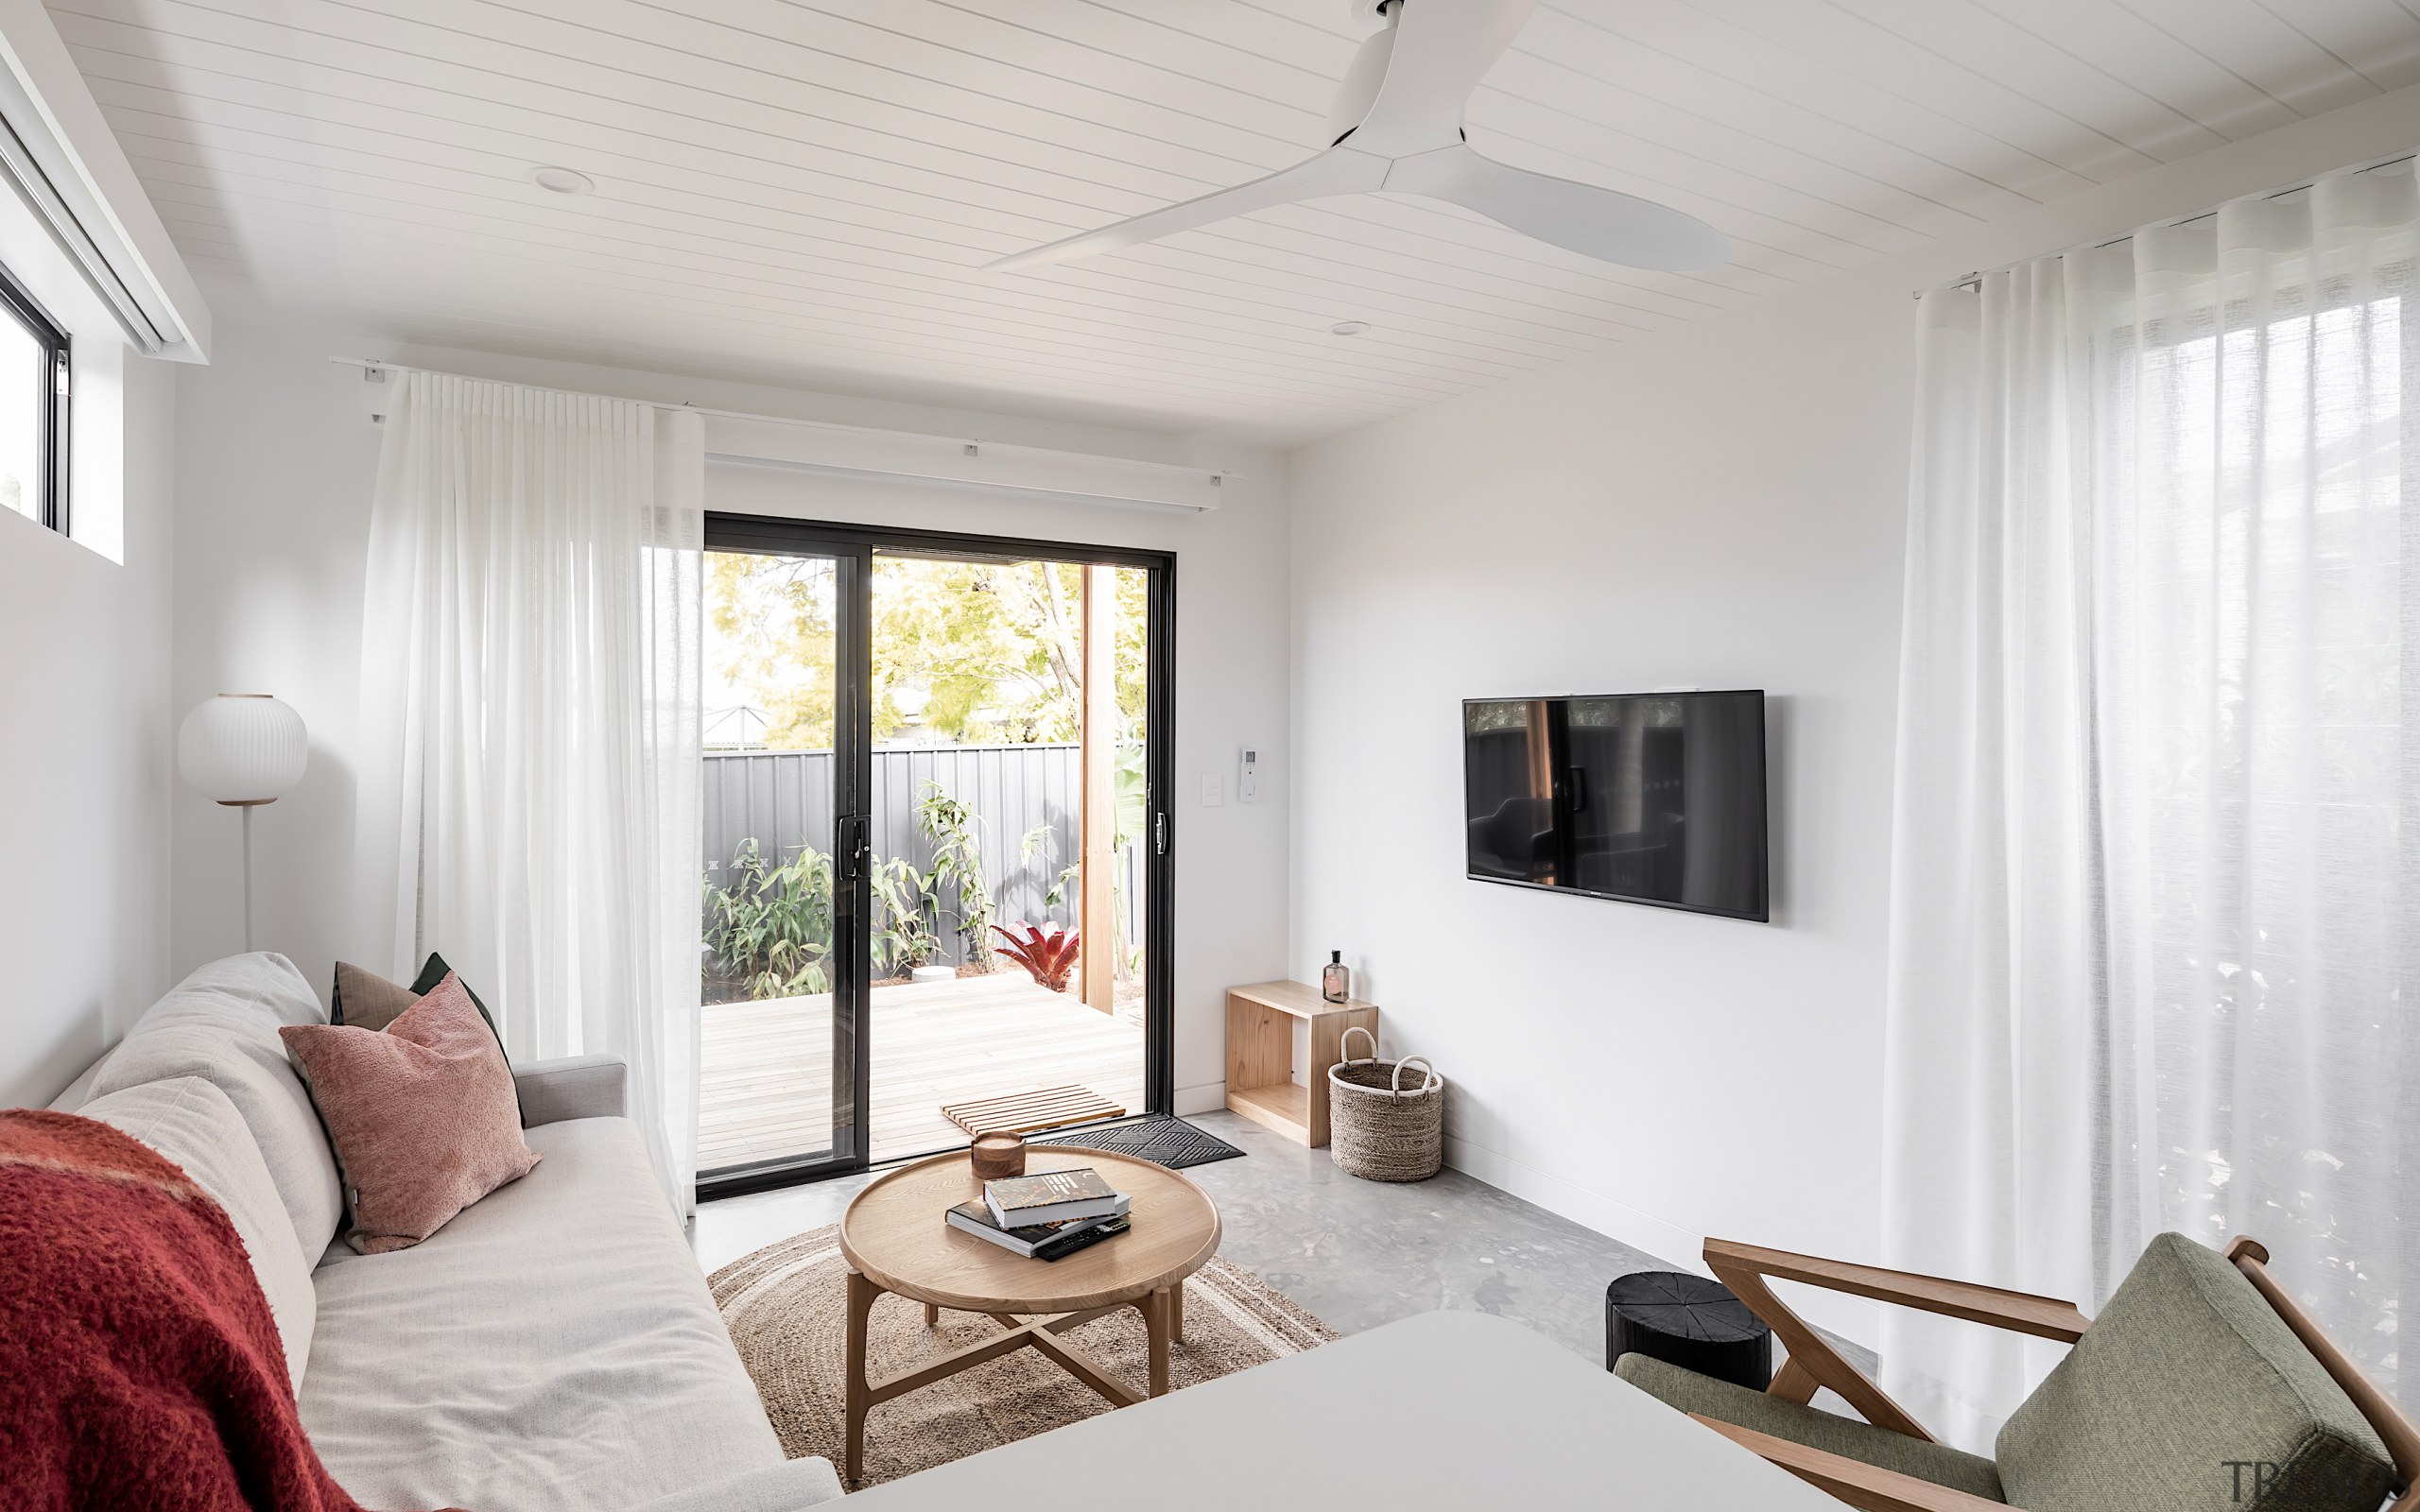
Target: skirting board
[1205,1097]
[1850,1316]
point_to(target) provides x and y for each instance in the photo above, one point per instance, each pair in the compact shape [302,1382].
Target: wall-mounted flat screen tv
[1651,798]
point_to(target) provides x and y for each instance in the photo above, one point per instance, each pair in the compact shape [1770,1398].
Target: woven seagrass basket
[1378,1129]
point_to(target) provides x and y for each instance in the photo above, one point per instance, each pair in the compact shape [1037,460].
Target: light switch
[1213,790]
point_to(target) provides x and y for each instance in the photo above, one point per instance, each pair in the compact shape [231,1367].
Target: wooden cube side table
[1260,1053]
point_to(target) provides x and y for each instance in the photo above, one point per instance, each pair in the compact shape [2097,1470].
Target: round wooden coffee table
[895,1240]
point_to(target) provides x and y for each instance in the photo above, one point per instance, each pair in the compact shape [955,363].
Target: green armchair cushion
[2188,1393]
[1848,1437]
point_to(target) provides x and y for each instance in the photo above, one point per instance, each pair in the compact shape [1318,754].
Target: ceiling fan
[1397,126]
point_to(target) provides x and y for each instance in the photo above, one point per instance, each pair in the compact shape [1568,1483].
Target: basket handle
[1429,1071]
[1345,1045]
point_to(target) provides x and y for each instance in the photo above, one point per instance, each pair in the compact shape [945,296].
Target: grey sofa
[552,1347]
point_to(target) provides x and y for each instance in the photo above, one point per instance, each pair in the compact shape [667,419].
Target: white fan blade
[1443,48]
[1600,223]
[1337,171]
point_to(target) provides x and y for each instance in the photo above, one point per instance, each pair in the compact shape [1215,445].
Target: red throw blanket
[140,1366]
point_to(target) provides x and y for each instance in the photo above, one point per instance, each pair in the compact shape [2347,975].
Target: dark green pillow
[433,973]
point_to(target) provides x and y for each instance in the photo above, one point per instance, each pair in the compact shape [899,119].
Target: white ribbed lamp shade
[242,747]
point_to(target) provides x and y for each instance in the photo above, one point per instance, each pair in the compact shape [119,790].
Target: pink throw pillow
[421,1113]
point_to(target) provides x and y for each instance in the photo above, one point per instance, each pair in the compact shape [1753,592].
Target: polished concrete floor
[1356,1253]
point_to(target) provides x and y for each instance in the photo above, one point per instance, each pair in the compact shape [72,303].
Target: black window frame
[57,397]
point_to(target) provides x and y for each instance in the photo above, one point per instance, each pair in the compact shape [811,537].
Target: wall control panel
[1248,776]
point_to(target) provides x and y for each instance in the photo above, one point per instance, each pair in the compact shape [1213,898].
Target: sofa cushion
[421,1113]
[553,1348]
[1851,1437]
[364,1000]
[2185,1387]
[249,986]
[220,1025]
[191,1123]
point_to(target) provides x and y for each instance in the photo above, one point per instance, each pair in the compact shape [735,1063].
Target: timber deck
[765,1067]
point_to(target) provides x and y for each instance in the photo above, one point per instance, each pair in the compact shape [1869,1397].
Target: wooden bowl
[997,1156]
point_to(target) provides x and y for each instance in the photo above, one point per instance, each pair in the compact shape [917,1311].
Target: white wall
[84,743]
[84,621]
[280,458]
[1720,505]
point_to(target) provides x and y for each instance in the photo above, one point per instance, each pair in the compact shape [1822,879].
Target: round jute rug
[785,1307]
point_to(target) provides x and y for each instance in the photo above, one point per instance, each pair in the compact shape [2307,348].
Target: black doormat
[1171,1142]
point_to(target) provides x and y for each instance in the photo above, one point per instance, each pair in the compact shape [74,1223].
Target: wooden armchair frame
[1813,1364]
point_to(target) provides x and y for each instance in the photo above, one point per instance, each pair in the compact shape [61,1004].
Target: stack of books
[1045,1216]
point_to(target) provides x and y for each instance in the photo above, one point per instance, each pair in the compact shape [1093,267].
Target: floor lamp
[243,749]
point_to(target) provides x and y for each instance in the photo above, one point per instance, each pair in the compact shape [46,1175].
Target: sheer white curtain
[528,798]
[2151,916]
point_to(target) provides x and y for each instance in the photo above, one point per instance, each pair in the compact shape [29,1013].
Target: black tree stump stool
[1688,1321]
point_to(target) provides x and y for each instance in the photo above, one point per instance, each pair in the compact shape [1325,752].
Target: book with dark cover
[1051,1196]
[1046,1241]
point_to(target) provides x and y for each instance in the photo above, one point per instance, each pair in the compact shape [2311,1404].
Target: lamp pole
[242,750]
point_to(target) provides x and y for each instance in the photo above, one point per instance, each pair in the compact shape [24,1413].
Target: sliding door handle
[853,841]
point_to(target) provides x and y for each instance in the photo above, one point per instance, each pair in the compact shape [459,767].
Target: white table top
[1445,1410]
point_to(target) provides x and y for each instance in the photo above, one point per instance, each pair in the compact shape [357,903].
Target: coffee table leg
[1176,1312]
[861,1294]
[932,1316]
[1157,1313]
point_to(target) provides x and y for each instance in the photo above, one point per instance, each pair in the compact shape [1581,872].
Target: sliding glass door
[782,1041]
[938,858]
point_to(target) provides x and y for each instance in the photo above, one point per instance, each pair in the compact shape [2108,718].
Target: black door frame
[851,548]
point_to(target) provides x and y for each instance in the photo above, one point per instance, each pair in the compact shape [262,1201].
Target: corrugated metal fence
[782,799]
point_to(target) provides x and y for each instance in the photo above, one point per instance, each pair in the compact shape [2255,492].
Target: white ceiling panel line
[2258,47]
[1976,36]
[1769,66]
[2377,39]
[1705,93]
[805,190]
[1843,179]
[1882,61]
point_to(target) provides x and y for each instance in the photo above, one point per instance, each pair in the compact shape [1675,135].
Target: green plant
[906,932]
[958,864]
[772,929]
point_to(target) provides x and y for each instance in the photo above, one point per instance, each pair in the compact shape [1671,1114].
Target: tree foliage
[964,652]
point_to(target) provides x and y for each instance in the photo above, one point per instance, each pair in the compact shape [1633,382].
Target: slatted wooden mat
[1026,1112]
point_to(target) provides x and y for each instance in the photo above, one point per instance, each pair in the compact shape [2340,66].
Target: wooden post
[1098,848]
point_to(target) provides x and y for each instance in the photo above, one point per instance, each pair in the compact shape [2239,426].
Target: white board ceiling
[803,192]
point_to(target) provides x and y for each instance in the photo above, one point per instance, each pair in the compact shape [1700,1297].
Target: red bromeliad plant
[1047,954]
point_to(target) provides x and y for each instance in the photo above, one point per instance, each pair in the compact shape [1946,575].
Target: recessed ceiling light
[1348,328]
[561,180]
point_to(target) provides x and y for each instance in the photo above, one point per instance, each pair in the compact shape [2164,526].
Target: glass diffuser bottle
[1336,979]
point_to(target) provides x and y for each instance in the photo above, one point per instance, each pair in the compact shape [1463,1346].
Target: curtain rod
[1218,476]
[1975,280]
